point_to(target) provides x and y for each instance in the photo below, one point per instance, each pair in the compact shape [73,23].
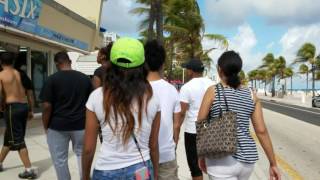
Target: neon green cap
[129,49]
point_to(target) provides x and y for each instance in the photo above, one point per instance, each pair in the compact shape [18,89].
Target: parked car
[316,101]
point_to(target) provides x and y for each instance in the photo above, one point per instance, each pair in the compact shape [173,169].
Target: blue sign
[55,36]
[21,14]
[24,15]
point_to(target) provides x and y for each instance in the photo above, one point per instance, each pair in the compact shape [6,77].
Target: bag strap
[219,98]
[139,149]
[224,97]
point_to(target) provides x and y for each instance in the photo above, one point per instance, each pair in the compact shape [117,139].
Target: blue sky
[253,27]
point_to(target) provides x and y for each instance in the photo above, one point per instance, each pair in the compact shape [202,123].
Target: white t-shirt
[169,100]
[192,93]
[113,154]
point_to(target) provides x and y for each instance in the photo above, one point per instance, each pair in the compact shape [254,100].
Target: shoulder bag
[217,137]
[142,173]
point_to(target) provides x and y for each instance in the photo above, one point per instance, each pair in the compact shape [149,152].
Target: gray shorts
[168,170]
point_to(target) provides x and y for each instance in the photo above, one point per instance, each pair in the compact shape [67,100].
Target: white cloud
[295,37]
[234,13]
[227,12]
[116,17]
[243,42]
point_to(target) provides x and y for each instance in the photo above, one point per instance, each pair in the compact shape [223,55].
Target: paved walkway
[39,154]
[289,99]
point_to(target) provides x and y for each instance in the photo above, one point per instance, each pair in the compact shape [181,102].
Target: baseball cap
[195,65]
[129,49]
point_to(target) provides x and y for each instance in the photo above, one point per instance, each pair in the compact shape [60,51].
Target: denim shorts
[127,173]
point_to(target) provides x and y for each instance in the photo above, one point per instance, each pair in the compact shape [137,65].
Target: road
[309,115]
[295,133]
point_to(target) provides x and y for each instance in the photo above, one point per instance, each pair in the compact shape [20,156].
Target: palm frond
[143,25]
[175,29]
[140,11]
[300,59]
[218,38]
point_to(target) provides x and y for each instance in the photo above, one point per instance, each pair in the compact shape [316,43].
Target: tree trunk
[291,85]
[159,22]
[151,20]
[307,83]
[255,84]
[313,79]
[285,86]
[265,88]
[273,90]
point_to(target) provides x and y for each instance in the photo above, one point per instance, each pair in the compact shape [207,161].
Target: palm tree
[307,54]
[252,76]
[154,11]
[288,73]
[269,63]
[304,69]
[185,24]
[184,27]
[242,76]
[264,77]
[280,64]
[159,20]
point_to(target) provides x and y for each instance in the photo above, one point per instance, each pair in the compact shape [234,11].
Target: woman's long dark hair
[123,90]
[230,63]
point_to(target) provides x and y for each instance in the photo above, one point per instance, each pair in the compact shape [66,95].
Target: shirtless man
[16,110]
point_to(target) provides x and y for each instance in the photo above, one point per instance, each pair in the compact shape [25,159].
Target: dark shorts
[190,141]
[15,116]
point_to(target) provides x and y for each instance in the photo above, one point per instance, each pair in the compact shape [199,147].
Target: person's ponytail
[234,81]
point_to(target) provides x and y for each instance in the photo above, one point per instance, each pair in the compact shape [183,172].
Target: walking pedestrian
[129,116]
[103,58]
[16,110]
[64,96]
[246,104]
[191,95]
[170,111]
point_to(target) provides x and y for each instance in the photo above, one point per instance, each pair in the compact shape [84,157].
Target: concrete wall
[89,9]
[62,23]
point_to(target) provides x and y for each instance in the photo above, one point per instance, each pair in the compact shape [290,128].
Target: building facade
[37,29]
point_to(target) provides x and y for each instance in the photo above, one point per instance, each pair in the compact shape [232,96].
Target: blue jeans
[58,142]
[127,173]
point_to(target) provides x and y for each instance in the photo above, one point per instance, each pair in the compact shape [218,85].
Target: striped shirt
[239,101]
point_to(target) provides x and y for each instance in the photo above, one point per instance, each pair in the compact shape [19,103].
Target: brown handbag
[217,137]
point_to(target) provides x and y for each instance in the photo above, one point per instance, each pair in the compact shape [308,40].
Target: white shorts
[228,168]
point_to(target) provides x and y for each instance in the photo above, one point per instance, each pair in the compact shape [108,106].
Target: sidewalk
[295,99]
[40,157]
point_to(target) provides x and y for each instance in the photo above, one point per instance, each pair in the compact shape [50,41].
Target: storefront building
[37,29]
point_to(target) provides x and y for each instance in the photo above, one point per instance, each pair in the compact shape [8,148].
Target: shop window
[39,73]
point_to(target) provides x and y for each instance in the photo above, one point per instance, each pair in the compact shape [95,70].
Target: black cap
[194,64]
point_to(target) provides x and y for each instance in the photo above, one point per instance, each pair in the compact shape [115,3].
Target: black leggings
[192,156]
[15,116]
